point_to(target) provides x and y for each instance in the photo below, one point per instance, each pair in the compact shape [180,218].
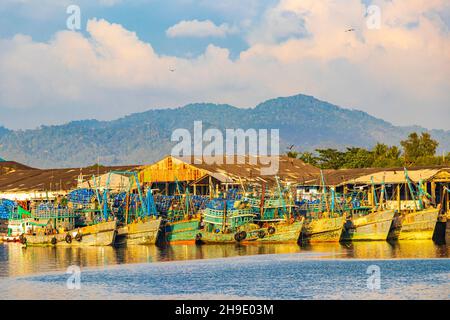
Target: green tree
[308,157]
[330,158]
[292,154]
[385,156]
[418,146]
[358,158]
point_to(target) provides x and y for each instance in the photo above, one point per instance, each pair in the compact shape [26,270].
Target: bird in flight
[290,148]
[171,69]
[350,30]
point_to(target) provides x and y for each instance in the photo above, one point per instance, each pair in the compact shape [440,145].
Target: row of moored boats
[251,214]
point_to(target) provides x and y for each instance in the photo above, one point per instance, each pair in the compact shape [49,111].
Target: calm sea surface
[366,270]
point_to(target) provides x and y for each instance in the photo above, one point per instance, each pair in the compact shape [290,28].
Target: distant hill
[304,121]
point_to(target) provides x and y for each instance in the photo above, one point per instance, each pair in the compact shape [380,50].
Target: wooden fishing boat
[228,221]
[140,231]
[367,225]
[275,220]
[135,212]
[323,229]
[100,234]
[280,232]
[184,231]
[417,225]
[53,224]
[324,216]
[181,222]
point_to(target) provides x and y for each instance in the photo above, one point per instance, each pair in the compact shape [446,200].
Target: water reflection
[18,261]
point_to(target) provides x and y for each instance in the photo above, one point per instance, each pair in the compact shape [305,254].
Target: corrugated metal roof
[397,176]
[249,168]
[50,179]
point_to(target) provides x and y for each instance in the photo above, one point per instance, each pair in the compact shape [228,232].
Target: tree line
[416,150]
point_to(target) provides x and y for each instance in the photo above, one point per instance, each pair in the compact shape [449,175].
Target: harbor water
[360,270]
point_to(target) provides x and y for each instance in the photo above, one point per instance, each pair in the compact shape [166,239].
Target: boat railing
[269,203]
[55,213]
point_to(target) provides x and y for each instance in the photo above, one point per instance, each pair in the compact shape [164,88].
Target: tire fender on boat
[54,241]
[68,238]
[79,237]
[271,230]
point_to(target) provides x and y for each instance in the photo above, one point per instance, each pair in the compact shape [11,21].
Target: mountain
[304,121]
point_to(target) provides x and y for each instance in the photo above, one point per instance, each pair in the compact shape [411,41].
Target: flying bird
[172,69]
[350,30]
[290,148]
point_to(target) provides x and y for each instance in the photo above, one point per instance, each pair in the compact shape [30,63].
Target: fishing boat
[418,222]
[274,216]
[100,234]
[323,228]
[418,225]
[181,220]
[228,221]
[139,231]
[50,224]
[184,231]
[324,220]
[275,219]
[367,225]
[369,221]
[136,215]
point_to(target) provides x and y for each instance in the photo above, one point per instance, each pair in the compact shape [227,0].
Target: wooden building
[208,175]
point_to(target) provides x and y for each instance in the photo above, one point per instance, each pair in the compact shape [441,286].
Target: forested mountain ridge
[304,121]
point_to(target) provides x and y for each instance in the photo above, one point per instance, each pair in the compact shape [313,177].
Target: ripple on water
[281,276]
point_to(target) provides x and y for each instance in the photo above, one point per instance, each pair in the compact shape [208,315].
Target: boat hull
[140,232]
[323,230]
[101,234]
[281,233]
[374,226]
[284,233]
[418,225]
[182,232]
[216,238]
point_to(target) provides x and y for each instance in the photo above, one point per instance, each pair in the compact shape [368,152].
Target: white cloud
[199,29]
[399,73]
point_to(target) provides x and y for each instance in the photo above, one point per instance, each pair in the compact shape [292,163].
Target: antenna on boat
[411,190]
[281,195]
[374,193]
[324,191]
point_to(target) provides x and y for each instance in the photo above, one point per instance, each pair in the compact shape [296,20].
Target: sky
[131,56]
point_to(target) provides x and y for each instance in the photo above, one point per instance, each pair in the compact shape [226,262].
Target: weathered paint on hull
[323,230]
[216,238]
[374,226]
[101,234]
[418,225]
[284,233]
[141,232]
[182,232]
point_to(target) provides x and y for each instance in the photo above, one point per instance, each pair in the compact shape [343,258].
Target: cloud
[399,73]
[199,29]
